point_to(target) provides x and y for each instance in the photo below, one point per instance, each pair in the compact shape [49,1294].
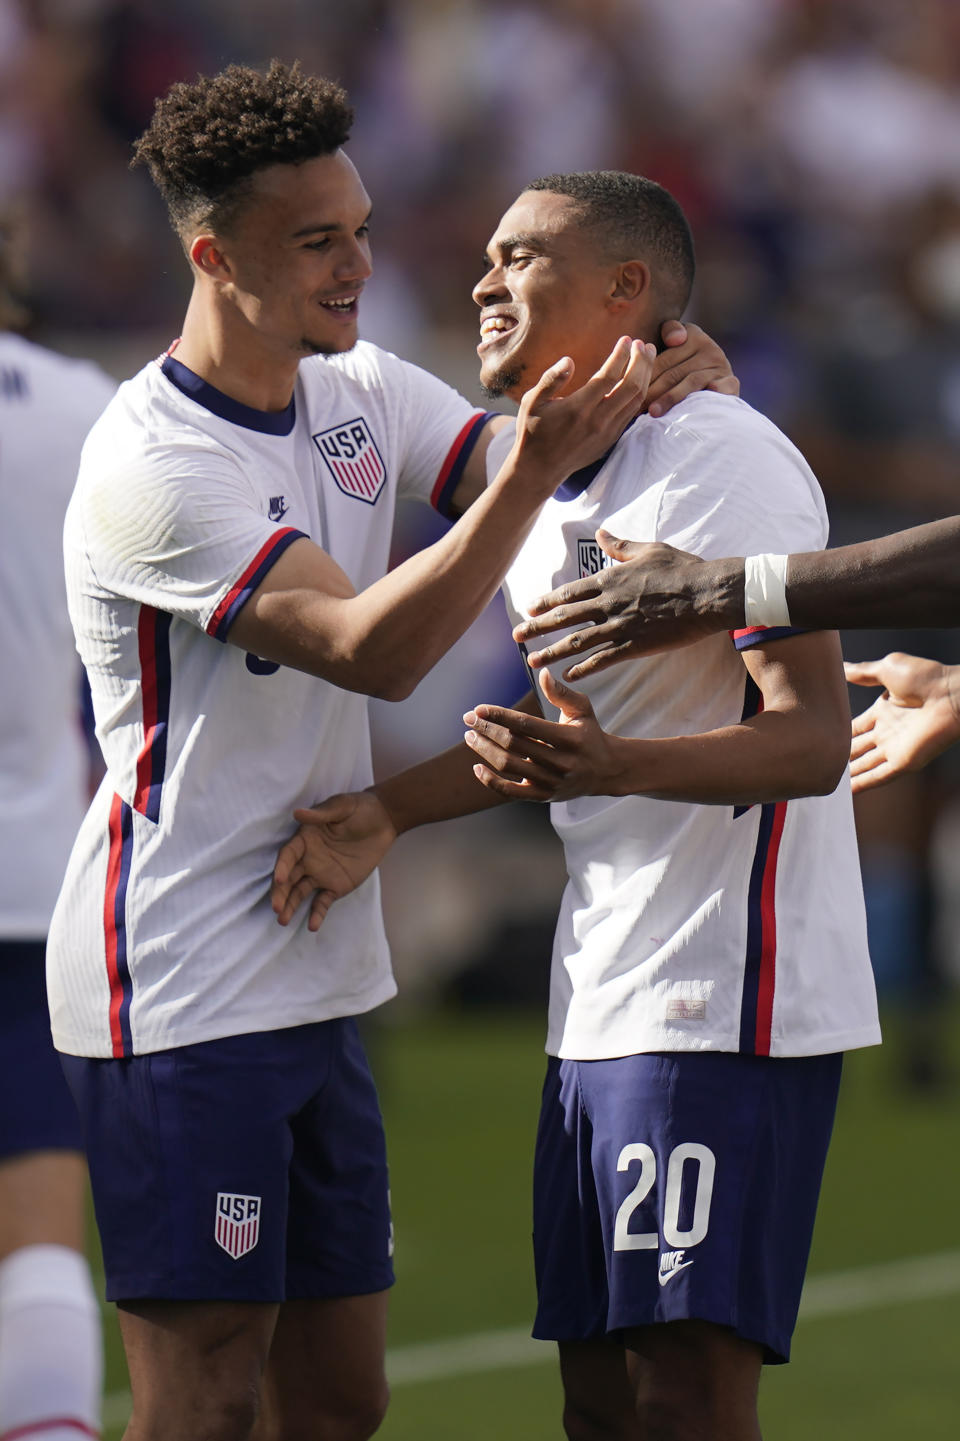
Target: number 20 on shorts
[706,1164]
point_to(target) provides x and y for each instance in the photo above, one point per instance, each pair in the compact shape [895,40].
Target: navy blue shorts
[37,1111]
[251,1168]
[679,1185]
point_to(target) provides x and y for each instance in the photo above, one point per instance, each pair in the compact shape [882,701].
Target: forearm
[401,626]
[439,789]
[383,640]
[443,787]
[911,578]
[773,757]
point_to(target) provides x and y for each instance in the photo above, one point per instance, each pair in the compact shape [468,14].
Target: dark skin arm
[659,597]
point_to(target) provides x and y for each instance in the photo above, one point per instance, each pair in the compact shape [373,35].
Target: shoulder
[721,480]
[377,372]
[148,445]
[149,415]
[721,440]
[366,366]
[723,419]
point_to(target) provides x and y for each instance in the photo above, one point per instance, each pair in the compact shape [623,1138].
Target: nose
[356,264]
[490,287]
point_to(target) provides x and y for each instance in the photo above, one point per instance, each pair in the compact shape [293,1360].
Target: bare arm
[911,578]
[658,597]
[383,641]
[796,746]
[340,841]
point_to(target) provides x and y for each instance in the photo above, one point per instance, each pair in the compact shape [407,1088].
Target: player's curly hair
[634,218]
[207,138]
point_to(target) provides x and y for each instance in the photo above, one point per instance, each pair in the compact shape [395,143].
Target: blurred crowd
[814,144]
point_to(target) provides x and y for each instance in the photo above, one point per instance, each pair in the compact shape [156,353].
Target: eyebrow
[325,229]
[510,243]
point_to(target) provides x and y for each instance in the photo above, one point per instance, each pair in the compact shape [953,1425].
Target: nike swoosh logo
[663,1279]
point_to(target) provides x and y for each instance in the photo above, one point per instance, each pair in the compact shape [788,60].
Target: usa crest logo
[590,558]
[353,459]
[237,1228]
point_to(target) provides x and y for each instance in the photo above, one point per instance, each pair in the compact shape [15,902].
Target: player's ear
[206,255]
[631,280]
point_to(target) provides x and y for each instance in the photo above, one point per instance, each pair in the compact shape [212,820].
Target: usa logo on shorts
[353,459]
[238,1223]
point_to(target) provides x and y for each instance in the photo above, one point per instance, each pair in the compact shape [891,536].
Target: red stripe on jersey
[766,981]
[239,585]
[111,936]
[451,460]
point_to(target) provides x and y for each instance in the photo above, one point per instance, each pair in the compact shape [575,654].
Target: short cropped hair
[206,139]
[634,219]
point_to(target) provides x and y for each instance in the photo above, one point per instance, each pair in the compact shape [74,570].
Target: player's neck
[236,359]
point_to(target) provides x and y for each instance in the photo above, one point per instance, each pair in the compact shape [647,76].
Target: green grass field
[875,1357]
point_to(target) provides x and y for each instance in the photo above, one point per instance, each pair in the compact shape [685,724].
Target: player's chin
[330,344]
[496,382]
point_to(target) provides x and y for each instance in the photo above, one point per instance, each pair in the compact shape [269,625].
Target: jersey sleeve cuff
[240,592]
[752,635]
[457,456]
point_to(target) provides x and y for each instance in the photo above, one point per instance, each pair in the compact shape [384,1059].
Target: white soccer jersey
[697,927]
[164,934]
[47,405]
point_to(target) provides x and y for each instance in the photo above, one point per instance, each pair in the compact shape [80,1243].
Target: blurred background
[815,146]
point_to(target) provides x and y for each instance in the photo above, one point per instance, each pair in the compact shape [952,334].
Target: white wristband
[765,590]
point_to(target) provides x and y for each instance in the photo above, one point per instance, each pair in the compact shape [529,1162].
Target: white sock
[51,1347]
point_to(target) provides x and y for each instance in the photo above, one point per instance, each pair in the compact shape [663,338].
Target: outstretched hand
[916,718]
[527,758]
[338,845]
[656,597]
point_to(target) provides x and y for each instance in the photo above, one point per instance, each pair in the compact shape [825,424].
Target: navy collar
[577,483]
[270,422]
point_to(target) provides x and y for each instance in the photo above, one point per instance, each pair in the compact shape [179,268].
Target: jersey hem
[232,1026]
[820,1046]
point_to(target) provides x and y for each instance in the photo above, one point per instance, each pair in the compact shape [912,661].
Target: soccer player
[655,596]
[710,962]
[226,550]
[51,1360]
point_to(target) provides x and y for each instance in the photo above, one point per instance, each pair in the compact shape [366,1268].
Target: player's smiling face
[546,293]
[299,253]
